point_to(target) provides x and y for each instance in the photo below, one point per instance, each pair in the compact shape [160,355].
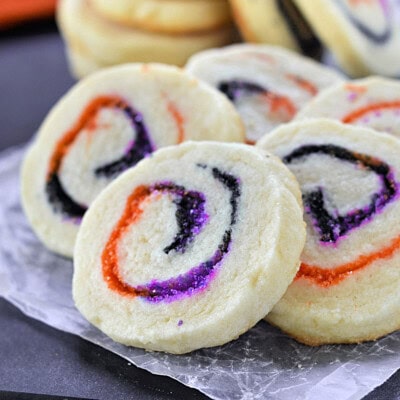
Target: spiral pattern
[139,148]
[236,89]
[377,37]
[191,218]
[332,227]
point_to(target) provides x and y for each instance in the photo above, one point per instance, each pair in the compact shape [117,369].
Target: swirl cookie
[370,102]
[346,290]
[363,35]
[105,125]
[168,16]
[177,253]
[267,84]
[276,22]
[109,44]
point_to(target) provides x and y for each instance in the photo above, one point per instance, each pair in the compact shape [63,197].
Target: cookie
[364,36]
[267,84]
[168,16]
[346,290]
[276,22]
[370,102]
[105,125]
[110,44]
[81,63]
[190,248]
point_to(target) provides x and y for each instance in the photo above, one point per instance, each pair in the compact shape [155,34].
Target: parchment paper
[262,364]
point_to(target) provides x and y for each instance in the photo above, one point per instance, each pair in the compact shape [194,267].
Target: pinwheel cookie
[363,35]
[105,125]
[267,84]
[169,16]
[190,248]
[108,43]
[370,102]
[276,22]
[347,288]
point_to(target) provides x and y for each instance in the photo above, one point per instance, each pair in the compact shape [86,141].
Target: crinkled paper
[262,364]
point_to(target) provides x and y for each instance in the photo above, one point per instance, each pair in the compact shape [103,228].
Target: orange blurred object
[13,12]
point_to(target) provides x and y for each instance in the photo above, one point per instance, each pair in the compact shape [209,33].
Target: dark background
[35,358]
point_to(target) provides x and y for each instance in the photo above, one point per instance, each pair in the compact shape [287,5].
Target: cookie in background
[267,84]
[364,36]
[276,22]
[93,41]
[371,102]
[167,16]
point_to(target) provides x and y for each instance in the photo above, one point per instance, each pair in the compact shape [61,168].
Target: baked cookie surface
[81,63]
[346,290]
[177,253]
[371,102]
[168,16]
[267,84]
[364,36]
[106,124]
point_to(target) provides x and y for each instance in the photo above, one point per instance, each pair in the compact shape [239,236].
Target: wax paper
[262,364]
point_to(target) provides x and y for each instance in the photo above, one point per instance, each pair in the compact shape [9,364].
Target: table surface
[34,357]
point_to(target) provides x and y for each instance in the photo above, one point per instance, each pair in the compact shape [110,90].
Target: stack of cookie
[102,33]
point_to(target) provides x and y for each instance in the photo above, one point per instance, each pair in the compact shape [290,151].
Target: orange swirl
[86,120]
[326,277]
[132,213]
[179,120]
[360,112]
